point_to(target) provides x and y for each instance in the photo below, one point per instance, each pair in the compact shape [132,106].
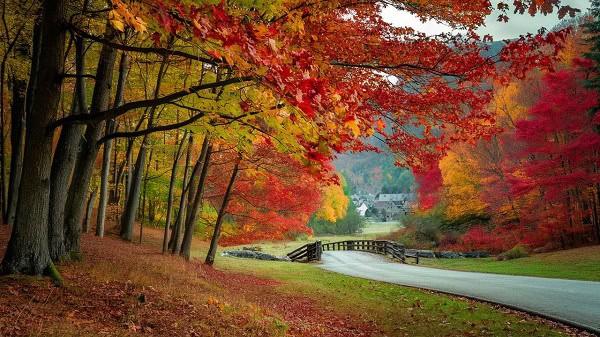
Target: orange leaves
[352,124]
[212,301]
[122,16]
[380,125]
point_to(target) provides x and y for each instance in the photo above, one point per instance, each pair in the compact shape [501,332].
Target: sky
[517,25]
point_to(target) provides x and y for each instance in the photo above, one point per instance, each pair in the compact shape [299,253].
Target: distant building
[386,210]
[386,207]
[362,210]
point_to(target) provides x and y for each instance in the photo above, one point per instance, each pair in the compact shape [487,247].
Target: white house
[362,209]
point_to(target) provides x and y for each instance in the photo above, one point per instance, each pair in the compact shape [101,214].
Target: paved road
[573,302]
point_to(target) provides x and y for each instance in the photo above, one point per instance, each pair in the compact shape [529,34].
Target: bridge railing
[313,251]
[307,253]
[383,247]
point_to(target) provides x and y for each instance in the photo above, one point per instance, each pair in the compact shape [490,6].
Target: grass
[239,297]
[576,264]
[394,310]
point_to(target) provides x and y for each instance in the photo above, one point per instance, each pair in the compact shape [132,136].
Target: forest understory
[120,289]
[124,289]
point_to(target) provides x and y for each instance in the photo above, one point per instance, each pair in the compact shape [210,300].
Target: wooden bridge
[313,251]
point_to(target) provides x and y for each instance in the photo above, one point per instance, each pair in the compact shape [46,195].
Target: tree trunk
[132,202]
[27,251]
[144,194]
[17,134]
[190,225]
[129,171]
[88,213]
[84,166]
[114,194]
[64,160]
[214,241]
[170,198]
[110,126]
[176,233]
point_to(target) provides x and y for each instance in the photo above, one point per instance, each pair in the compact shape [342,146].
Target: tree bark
[27,251]
[170,198]
[176,232]
[88,213]
[64,161]
[110,126]
[214,242]
[17,134]
[133,200]
[84,166]
[144,193]
[190,225]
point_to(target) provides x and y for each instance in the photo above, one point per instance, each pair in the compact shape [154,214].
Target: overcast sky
[517,25]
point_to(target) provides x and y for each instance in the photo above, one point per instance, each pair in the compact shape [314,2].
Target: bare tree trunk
[110,126]
[84,166]
[129,171]
[88,213]
[190,225]
[214,242]
[176,232]
[170,198]
[114,194]
[27,251]
[144,193]
[17,151]
[17,134]
[64,160]
[132,201]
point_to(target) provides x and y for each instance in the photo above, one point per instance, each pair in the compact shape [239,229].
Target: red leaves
[429,182]
[272,200]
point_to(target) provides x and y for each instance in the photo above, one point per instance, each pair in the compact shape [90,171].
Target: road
[573,302]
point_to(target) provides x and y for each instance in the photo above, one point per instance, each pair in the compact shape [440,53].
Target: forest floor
[124,289]
[576,264]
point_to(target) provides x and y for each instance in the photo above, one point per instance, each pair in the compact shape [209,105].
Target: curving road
[573,302]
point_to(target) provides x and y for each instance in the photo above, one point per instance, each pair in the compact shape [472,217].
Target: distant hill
[371,172]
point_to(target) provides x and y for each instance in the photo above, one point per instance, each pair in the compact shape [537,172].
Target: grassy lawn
[577,264]
[394,310]
[380,228]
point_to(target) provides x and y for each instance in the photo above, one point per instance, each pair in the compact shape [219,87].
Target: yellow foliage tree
[461,185]
[335,202]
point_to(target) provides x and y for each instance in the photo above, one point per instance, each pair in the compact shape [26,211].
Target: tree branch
[123,109]
[144,50]
[144,132]
[397,66]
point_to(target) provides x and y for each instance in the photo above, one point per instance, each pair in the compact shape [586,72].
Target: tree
[262,71]
[559,173]
[27,251]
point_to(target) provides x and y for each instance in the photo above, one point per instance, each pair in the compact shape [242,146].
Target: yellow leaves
[352,124]
[215,302]
[335,204]
[295,23]
[115,21]
[461,185]
[261,71]
[121,16]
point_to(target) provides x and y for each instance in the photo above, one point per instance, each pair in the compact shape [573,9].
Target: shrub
[516,252]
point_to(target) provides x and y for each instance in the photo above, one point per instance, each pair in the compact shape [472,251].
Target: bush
[516,252]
